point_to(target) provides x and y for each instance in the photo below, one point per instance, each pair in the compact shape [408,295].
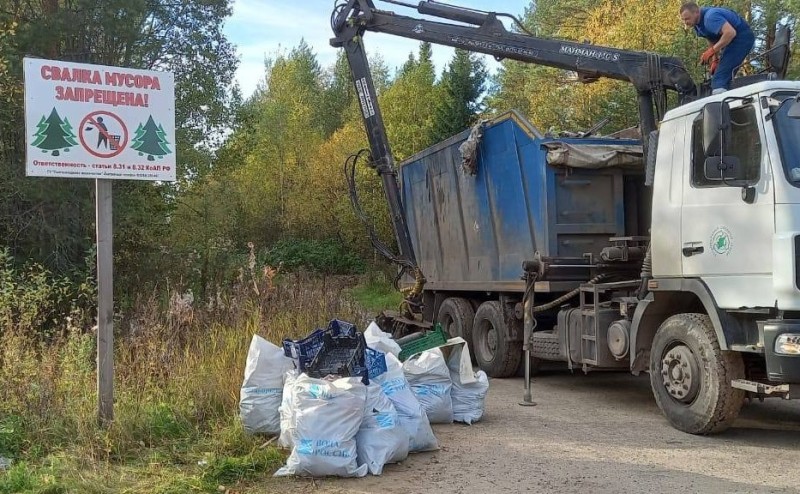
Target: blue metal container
[473,232]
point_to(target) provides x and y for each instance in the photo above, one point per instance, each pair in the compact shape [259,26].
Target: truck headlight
[788,344]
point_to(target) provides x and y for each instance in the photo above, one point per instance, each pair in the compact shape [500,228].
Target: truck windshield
[787,132]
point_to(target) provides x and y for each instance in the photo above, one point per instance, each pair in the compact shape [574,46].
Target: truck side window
[746,145]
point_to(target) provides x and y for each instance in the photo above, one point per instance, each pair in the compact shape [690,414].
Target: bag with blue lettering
[286,410]
[469,398]
[381,439]
[327,417]
[429,377]
[410,413]
[262,388]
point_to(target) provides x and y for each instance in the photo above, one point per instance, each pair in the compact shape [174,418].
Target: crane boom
[650,73]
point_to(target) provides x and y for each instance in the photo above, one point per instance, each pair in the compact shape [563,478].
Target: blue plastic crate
[340,356]
[341,328]
[304,350]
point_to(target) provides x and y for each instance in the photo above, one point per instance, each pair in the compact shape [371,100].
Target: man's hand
[714,65]
[707,55]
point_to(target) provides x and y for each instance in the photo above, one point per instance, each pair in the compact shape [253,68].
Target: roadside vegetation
[179,366]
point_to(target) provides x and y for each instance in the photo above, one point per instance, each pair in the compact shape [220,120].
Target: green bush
[12,435]
[35,301]
[17,479]
[319,256]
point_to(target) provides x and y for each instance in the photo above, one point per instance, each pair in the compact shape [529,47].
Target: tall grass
[178,369]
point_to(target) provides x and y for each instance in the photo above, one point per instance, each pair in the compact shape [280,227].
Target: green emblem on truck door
[721,241]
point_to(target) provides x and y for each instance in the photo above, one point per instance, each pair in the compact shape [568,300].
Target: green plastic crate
[432,339]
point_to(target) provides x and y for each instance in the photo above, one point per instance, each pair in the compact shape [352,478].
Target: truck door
[726,241]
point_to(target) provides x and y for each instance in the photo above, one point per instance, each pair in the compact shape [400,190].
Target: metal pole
[105,302]
[528,325]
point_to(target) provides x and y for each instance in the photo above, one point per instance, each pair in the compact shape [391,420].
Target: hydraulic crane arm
[650,73]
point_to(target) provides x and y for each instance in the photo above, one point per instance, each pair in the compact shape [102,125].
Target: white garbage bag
[410,412]
[286,410]
[429,377]
[327,417]
[469,399]
[262,388]
[381,439]
[378,340]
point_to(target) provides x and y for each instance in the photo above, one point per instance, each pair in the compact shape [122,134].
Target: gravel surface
[598,433]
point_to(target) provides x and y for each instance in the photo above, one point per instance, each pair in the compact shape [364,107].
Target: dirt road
[599,433]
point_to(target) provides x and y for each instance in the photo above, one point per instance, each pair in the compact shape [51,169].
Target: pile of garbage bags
[357,408]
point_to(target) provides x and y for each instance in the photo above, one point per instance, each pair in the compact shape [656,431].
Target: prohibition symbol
[103,134]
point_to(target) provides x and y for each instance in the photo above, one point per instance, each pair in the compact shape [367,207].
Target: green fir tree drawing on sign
[53,134]
[151,139]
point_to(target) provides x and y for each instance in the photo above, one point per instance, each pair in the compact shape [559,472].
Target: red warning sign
[103,134]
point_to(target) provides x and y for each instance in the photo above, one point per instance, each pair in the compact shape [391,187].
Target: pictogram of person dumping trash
[103,137]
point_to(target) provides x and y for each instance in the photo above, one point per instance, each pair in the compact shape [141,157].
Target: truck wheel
[456,317]
[495,353]
[691,377]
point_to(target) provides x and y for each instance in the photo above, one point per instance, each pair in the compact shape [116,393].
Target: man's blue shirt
[713,18]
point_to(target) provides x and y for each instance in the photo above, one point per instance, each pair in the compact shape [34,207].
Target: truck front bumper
[781,341]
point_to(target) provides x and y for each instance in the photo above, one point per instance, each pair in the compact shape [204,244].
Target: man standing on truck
[729,38]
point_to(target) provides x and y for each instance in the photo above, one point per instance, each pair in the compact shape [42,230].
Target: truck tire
[691,377]
[456,317]
[495,352]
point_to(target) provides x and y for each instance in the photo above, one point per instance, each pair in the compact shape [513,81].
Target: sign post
[104,123]
[105,301]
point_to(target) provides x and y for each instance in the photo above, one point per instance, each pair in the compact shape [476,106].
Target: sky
[263,29]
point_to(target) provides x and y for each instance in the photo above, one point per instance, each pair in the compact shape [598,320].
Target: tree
[284,122]
[151,140]
[337,95]
[9,89]
[462,86]
[409,65]
[380,73]
[425,53]
[408,106]
[53,134]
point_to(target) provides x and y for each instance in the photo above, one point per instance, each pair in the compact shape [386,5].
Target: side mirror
[716,128]
[723,169]
[794,110]
[778,56]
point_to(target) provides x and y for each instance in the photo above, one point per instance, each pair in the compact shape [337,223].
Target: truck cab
[733,231]
[726,219]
